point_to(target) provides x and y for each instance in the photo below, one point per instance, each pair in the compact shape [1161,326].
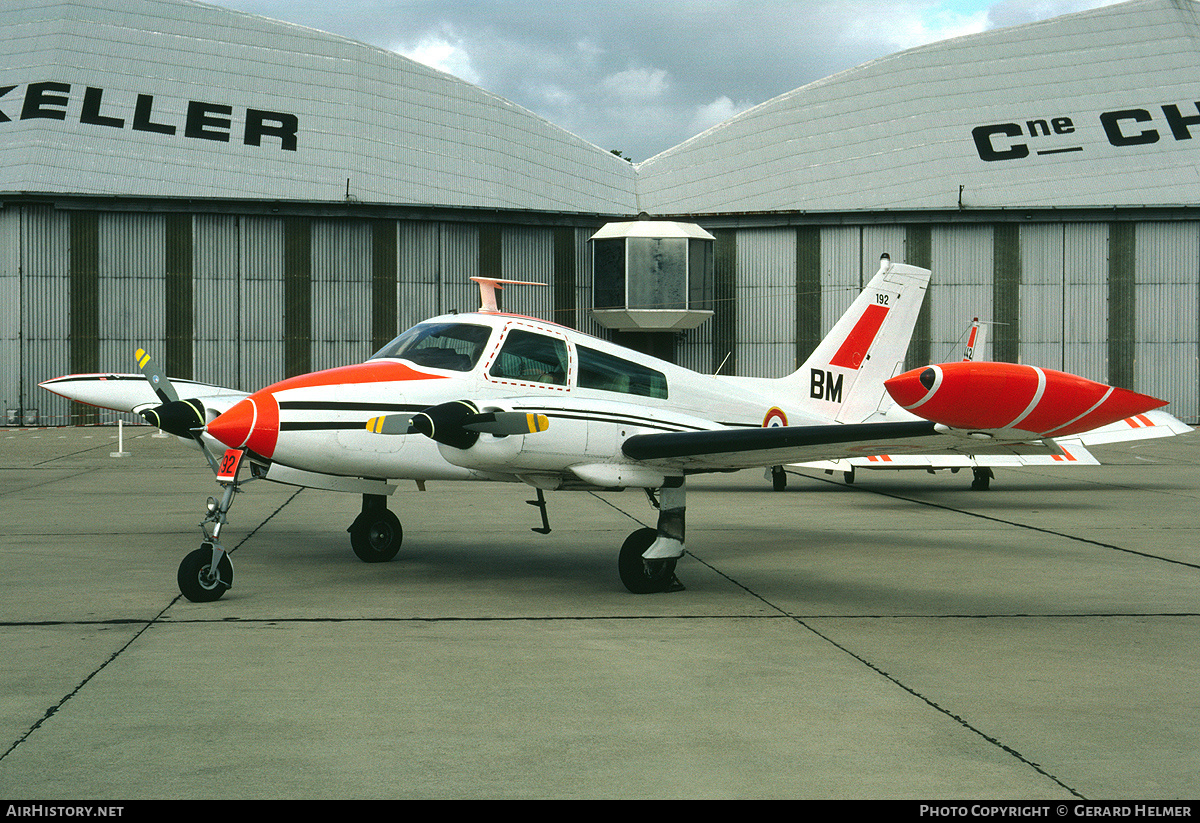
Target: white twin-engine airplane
[496,396]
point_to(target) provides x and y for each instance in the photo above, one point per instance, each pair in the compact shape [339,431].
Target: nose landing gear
[207,573]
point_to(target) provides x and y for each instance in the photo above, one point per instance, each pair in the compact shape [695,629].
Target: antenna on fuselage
[488,287]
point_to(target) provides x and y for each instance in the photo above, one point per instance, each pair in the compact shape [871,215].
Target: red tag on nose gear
[228,465]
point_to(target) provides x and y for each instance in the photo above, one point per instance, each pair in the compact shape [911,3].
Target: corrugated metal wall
[268,295]
[10,308]
[1167,294]
[45,313]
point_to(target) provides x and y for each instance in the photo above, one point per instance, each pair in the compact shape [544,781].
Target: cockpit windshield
[453,346]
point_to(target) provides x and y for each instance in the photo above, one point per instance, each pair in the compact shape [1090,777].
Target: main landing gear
[375,535]
[646,563]
[648,556]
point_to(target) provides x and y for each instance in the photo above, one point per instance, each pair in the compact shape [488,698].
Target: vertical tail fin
[843,377]
[975,340]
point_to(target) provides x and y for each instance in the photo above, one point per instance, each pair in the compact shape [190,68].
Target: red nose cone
[252,423]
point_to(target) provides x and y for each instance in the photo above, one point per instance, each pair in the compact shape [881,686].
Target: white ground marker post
[120,452]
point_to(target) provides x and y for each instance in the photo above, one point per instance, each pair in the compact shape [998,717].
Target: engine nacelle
[1013,401]
[577,440]
[182,418]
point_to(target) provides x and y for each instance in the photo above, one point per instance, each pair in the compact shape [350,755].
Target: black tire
[778,478]
[644,576]
[376,536]
[194,582]
[848,475]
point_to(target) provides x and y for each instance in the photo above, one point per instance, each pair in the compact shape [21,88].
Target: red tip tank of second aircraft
[987,396]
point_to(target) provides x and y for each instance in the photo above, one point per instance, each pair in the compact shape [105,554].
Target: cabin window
[453,346]
[531,358]
[598,370]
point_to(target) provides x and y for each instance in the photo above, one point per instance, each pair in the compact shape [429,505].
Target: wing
[134,393]
[729,449]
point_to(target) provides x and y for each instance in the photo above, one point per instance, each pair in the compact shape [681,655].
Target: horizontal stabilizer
[1145,426]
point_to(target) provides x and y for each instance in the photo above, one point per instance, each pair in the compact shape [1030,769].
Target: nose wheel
[205,574]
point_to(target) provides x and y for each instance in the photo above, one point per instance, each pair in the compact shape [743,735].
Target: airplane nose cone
[252,423]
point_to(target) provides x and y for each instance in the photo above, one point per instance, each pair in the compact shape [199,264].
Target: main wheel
[983,478]
[642,576]
[778,478]
[376,536]
[196,581]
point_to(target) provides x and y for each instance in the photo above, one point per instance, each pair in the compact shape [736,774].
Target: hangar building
[253,199]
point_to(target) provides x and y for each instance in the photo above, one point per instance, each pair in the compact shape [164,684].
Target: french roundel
[775,417]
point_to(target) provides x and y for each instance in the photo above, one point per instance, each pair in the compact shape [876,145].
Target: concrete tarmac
[902,637]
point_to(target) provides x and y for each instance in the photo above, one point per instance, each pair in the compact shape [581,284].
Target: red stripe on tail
[854,349]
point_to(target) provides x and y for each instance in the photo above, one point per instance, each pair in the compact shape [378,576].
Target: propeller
[459,423]
[183,418]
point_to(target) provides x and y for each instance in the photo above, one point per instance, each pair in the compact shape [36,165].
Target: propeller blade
[158,381]
[458,423]
[390,424]
[505,423]
[182,418]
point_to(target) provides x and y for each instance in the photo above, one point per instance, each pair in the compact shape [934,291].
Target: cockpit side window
[598,370]
[453,346]
[531,358]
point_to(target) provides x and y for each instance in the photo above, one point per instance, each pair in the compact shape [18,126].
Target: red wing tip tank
[1013,401]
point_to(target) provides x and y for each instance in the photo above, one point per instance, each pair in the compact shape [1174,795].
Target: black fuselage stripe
[319,425]
[609,417]
[327,405]
[330,425]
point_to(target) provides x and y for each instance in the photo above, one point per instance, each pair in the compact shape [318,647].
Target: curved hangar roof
[172,98]
[1091,109]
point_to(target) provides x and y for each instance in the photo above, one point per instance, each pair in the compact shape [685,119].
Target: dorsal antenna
[488,287]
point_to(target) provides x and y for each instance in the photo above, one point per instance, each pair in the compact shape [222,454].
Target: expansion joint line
[50,712]
[892,679]
[1001,520]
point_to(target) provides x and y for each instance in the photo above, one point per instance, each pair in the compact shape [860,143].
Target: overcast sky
[641,76]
